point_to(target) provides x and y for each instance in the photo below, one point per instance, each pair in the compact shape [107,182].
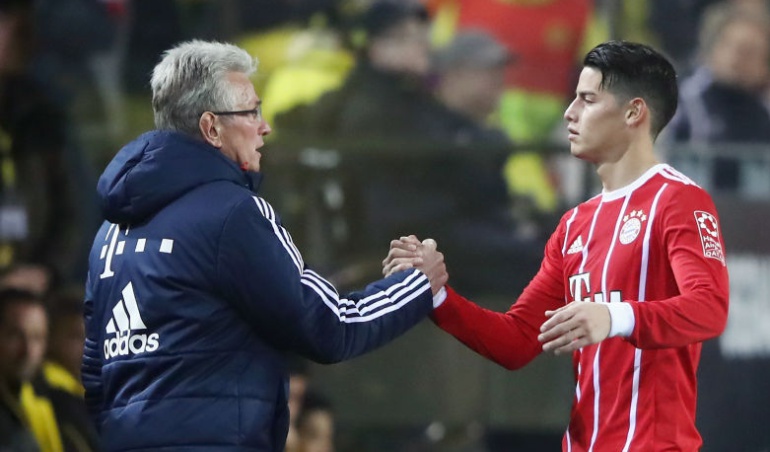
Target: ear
[210,129]
[637,112]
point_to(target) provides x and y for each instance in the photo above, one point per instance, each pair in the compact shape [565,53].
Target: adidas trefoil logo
[577,246]
[124,324]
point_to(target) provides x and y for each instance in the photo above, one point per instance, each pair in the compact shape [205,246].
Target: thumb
[430,244]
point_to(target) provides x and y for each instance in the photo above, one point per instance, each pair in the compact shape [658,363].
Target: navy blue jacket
[195,291]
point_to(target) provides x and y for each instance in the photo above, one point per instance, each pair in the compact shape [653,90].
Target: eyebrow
[585,94]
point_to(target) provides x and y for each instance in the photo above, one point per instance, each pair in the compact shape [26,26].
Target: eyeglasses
[254,113]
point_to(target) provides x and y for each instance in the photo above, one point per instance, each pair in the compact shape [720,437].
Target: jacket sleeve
[294,308]
[91,368]
[695,250]
[509,339]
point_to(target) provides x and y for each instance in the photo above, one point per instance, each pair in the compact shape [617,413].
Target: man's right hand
[409,252]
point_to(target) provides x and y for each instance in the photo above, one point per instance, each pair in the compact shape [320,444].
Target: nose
[265,128]
[569,113]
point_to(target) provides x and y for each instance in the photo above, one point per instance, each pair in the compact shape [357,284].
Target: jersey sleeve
[693,243]
[292,307]
[510,338]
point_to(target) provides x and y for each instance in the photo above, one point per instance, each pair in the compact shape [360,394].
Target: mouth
[572,134]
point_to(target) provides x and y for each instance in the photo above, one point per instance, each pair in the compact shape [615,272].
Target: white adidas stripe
[380,303]
[283,236]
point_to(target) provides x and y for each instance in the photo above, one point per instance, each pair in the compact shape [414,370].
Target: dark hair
[632,70]
[381,17]
[9,296]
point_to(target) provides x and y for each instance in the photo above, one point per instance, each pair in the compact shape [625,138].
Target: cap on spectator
[473,49]
[383,15]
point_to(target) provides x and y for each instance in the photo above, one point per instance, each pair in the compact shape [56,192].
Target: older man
[196,289]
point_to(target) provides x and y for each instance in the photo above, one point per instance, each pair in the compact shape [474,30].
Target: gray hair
[190,79]
[719,16]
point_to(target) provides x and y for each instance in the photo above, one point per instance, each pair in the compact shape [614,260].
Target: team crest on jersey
[632,226]
[709,235]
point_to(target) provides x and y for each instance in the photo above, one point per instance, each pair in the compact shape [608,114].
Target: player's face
[243,135]
[595,121]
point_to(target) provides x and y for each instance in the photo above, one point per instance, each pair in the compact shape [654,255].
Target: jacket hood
[159,167]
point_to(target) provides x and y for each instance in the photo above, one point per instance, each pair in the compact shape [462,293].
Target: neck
[638,158]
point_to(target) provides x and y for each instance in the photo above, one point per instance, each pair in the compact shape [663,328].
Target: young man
[27,420]
[196,290]
[632,281]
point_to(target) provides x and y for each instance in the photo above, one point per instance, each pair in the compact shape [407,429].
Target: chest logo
[632,226]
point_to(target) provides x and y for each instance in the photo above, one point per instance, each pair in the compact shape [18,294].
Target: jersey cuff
[440,296]
[622,320]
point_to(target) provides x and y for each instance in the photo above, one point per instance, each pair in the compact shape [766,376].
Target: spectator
[315,424]
[723,101]
[546,36]
[470,73]
[392,62]
[27,420]
[196,290]
[447,161]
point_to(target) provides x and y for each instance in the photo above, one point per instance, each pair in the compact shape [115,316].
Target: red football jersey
[655,245]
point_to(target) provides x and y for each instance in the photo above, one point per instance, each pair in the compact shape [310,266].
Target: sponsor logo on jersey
[577,246]
[127,325]
[709,235]
[632,226]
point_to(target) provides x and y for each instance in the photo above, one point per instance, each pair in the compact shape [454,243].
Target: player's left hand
[574,326]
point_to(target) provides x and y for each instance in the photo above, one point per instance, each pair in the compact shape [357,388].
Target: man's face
[23,334]
[243,135]
[476,90]
[596,121]
[403,49]
[740,56]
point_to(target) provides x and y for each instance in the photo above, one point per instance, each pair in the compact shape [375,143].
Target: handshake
[409,252]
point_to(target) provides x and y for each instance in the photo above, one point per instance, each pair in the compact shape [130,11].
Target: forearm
[508,339]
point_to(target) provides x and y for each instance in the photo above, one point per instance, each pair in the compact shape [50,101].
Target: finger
[396,253]
[397,268]
[552,313]
[557,317]
[560,343]
[401,264]
[403,245]
[550,331]
[430,244]
[572,346]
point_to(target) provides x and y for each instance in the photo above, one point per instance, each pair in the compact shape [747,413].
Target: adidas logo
[124,323]
[577,246]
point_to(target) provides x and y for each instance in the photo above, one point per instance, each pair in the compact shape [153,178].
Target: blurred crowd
[434,117]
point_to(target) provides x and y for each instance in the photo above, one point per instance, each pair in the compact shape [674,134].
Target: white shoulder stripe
[282,234]
[672,174]
[566,233]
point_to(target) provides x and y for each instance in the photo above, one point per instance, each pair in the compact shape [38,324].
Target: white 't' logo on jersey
[124,324]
